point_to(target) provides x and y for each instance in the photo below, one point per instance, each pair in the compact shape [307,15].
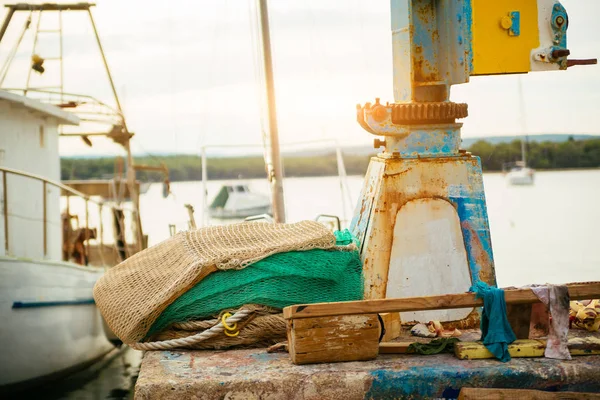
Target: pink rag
[556,298]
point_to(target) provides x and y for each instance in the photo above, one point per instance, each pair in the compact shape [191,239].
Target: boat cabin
[30,213]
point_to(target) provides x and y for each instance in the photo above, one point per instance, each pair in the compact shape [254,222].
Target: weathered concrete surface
[256,374]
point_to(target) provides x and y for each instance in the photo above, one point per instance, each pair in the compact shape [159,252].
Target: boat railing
[87,108]
[70,192]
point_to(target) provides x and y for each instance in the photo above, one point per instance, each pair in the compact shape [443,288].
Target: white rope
[191,340]
[194,325]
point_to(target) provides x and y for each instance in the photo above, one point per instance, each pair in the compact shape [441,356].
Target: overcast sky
[186,72]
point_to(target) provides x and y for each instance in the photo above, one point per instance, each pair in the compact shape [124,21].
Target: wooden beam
[98,187]
[577,291]
[333,339]
[522,394]
[394,347]
[393,327]
[519,317]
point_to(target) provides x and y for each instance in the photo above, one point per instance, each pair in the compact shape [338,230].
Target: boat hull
[223,213]
[50,324]
[523,176]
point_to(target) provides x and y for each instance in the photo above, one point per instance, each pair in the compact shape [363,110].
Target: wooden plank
[524,394]
[519,317]
[98,187]
[393,327]
[526,348]
[334,339]
[577,291]
[394,347]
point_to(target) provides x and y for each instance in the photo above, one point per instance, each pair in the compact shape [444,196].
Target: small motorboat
[237,201]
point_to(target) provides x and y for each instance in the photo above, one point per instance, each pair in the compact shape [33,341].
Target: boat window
[229,189]
[240,188]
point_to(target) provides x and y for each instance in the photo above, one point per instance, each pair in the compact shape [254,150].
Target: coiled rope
[197,338]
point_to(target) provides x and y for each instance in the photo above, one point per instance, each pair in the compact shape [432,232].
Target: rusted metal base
[410,244]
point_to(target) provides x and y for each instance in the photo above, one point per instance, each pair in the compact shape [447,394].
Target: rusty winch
[422,218]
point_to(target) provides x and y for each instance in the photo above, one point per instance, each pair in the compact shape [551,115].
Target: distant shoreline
[362,176]
[542,156]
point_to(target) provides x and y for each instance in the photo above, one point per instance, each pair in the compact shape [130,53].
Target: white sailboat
[520,173]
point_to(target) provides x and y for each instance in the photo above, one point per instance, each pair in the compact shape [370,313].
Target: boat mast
[523,152]
[275,169]
[522,119]
[131,175]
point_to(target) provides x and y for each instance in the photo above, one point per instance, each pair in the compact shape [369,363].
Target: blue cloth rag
[496,332]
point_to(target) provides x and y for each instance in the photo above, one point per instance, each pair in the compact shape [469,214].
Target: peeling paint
[257,374]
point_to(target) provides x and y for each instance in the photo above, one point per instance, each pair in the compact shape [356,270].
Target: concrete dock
[256,374]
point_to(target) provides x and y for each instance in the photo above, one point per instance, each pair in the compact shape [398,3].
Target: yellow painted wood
[526,348]
[495,51]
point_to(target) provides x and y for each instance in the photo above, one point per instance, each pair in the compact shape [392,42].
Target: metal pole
[204,189]
[5,196]
[35,39]
[275,176]
[130,167]
[87,229]
[62,75]
[101,247]
[11,11]
[101,227]
[342,175]
[45,223]
[112,84]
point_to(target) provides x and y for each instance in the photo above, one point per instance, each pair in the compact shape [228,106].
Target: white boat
[50,258]
[50,324]
[520,174]
[237,201]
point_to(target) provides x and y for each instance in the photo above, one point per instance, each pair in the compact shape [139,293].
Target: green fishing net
[280,280]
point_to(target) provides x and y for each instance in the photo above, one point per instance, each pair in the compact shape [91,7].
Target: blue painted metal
[38,304]
[425,48]
[468,17]
[472,211]
[559,30]
[515,28]
[427,141]
[431,42]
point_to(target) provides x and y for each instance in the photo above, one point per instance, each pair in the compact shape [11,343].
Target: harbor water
[545,233]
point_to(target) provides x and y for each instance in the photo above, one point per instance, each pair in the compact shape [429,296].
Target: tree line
[540,155]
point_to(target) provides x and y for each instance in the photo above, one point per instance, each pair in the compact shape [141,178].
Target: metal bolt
[377,143]
[558,53]
[560,20]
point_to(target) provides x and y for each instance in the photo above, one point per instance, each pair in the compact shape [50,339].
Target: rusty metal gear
[428,113]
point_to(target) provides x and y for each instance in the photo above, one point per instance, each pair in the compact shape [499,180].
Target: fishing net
[281,280]
[133,294]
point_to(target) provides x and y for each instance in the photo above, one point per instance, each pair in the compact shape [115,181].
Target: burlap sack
[134,293]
